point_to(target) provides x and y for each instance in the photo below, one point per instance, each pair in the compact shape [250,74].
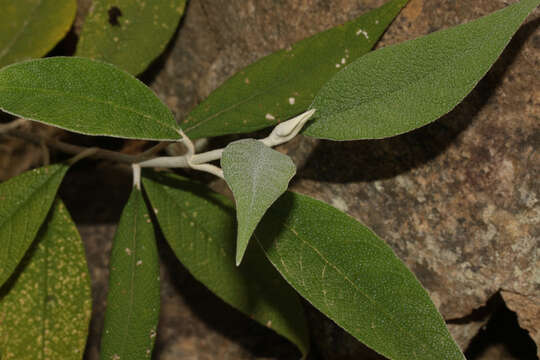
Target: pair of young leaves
[411,97]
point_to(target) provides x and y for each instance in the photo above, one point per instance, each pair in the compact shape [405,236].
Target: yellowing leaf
[24,203]
[45,310]
[31,28]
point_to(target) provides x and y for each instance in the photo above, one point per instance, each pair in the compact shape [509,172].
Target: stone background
[458,200]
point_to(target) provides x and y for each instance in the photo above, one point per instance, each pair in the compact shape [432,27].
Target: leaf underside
[402,87]
[257,176]
[354,278]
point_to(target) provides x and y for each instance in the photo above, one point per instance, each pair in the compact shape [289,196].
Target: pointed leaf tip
[25,201]
[283,84]
[257,176]
[402,87]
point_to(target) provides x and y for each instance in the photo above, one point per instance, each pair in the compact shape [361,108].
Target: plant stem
[103,154]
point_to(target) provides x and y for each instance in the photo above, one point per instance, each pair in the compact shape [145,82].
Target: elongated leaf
[284,83]
[31,28]
[400,88]
[132,311]
[354,278]
[257,176]
[199,226]
[45,311]
[24,202]
[129,34]
[85,96]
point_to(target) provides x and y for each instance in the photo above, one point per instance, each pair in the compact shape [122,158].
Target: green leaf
[85,96]
[199,226]
[25,201]
[129,34]
[45,310]
[354,278]
[284,83]
[132,311]
[257,176]
[400,88]
[31,28]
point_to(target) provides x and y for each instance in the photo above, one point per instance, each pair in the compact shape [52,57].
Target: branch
[103,154]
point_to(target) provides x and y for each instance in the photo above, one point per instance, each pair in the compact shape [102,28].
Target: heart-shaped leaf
[24,203]
[402,87]
[45,310]
[200,228]
[129,34]
[85,96]
[132,311]
[354,278]
[257,176]
[30,28]
[284,83]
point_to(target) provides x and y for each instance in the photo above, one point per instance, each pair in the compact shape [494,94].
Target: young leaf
[24,202]
[199,226]
[85,96]
[400,88]
[354,278]
[132,311]
[284,83]
[30,28]
[45,311]
[129,34]
[257,176]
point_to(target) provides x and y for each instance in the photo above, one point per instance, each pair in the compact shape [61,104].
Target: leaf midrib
[90,99]
[434,70]
[340,272]
[261,92]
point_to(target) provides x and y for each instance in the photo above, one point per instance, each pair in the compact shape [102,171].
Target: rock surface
[458,200]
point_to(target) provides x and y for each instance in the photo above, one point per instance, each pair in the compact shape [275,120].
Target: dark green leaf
[31,28]
[132,311]
[46,308]
[24,203]
[85,96]
[284,83]
[199,226]
[354,278]
[400,88]
[129,34]
[257,176]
